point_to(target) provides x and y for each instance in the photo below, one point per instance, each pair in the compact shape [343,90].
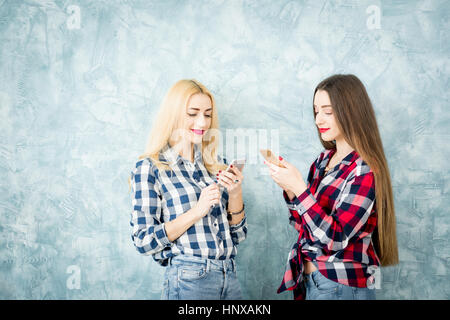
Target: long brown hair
[356,120]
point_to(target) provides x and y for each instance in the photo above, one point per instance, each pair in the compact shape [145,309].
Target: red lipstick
[200,132]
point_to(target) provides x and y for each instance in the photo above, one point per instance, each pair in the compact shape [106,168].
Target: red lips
[200,132]
[322,130]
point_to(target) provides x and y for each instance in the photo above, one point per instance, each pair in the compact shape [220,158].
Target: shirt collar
[170,154]
[348,159]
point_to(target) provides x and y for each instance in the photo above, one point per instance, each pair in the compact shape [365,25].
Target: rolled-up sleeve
[239,231]
[148,231]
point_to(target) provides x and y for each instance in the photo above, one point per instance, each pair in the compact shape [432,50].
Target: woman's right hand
[209,197]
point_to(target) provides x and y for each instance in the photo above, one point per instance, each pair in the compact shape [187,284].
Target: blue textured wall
[81,80]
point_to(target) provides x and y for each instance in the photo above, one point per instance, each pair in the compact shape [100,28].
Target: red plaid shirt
[335,218]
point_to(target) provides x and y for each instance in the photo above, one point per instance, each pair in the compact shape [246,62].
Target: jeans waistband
[211,264]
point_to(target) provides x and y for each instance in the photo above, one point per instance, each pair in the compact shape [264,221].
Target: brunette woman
[344,212]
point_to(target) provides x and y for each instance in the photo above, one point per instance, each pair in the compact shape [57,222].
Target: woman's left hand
[288,178]
[231,180]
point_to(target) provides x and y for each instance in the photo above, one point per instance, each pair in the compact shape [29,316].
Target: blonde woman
[344,212]
[187,212]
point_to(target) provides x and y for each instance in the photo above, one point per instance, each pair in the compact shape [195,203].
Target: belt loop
[208,265]
[233,263]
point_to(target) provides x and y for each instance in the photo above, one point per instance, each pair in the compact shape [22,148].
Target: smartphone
[270,157]
[237,163]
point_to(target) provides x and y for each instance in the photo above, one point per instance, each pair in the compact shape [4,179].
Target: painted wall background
[80,82]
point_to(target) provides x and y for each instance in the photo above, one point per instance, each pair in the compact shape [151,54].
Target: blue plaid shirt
[161,196]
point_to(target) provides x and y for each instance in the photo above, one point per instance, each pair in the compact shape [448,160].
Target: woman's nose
[318,120]
[200,121]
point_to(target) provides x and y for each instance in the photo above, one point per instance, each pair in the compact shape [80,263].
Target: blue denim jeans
[318,287]
[192,278]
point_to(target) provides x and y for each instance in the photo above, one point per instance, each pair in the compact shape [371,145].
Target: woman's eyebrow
[324,106]
[197,109]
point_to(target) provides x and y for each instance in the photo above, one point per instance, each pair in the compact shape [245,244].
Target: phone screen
[238,163]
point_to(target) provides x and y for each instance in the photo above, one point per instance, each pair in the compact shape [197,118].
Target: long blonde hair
[170,118]
[357,122]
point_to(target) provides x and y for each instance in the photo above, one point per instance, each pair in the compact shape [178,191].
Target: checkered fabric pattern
[335,218]
[162,196]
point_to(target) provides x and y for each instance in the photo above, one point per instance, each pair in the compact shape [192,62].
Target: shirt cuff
[302,203]
[161,235]
[235,227]
[290,203]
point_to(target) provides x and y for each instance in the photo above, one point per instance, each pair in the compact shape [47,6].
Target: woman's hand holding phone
[232,180]
[287,177]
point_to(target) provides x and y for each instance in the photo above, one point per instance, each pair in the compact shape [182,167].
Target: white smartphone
[237,163]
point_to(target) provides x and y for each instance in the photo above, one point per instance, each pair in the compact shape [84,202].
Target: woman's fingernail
[231,166]
[280,157]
